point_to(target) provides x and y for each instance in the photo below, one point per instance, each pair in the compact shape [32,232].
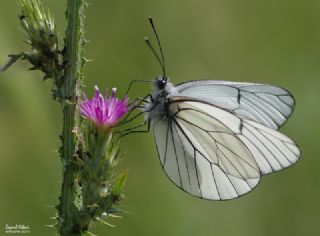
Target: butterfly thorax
[159,101]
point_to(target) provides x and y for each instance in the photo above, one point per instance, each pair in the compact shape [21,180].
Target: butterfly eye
[161,82]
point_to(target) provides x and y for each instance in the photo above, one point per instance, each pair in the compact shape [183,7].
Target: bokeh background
[274,41]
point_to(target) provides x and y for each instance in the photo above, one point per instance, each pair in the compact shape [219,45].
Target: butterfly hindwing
[215,169]
[272,150]
[212,153]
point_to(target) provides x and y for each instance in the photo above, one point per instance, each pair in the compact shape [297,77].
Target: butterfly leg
[133,129]
[131,119]
[141,100]
[135,100]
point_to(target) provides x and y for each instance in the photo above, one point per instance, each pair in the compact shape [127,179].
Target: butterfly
[215,139]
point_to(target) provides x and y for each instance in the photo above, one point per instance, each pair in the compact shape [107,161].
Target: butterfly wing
[213,154]
[266,104]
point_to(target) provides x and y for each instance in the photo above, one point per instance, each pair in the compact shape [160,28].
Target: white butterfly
[215,139]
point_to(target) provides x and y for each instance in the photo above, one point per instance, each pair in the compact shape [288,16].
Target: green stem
[70,90]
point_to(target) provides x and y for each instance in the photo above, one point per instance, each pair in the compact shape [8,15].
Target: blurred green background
[274,41]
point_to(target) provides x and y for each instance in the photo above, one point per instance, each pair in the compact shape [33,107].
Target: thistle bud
[38,26]
[39,30]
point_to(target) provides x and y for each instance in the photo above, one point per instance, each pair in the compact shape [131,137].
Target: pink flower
[103,111]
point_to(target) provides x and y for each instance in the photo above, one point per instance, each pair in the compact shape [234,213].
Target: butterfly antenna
[146,39]
[162,63]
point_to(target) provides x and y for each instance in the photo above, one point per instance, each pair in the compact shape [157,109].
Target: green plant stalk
[70,90]
[91,191]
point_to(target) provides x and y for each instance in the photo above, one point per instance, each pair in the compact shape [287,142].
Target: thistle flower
[105,111]
[98,152]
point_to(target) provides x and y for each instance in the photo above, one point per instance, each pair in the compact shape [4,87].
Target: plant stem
[70,90]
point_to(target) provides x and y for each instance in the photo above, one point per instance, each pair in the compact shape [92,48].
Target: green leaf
[119,184]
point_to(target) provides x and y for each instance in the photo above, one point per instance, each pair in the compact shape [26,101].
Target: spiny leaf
[119,184]
[12,60]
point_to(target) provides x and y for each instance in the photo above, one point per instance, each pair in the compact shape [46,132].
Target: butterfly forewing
[266,104]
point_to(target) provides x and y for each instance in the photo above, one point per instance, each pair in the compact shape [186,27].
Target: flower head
[103,111]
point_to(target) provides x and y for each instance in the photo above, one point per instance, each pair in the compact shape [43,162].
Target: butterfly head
[160,82]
